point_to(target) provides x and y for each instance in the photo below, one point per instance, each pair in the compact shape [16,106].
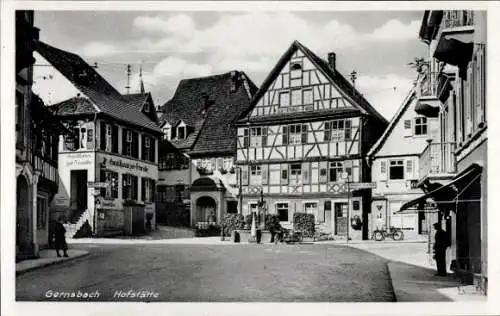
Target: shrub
[272,223]
[232,222]
[304,223]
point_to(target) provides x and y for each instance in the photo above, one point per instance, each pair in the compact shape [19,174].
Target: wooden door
[340,219]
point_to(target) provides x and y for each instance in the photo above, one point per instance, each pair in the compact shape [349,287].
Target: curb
[46,264]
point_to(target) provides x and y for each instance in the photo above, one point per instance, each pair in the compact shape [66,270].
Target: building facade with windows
[37,133]
[306,128]
[114,143]
[395,168]
[197,175]
[455,176]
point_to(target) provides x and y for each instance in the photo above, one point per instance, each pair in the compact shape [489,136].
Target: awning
[447,193]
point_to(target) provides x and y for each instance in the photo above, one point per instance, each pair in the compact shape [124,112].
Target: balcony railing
[428,84]
[458,18]
[437,158]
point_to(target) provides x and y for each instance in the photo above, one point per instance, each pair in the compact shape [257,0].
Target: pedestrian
[441,242]
[60,238]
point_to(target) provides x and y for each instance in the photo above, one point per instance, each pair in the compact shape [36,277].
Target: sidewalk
[47,258]
[412,275]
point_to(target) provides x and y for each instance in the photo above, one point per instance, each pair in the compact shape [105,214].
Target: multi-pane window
[258,137]
[396,170]
[284,99]
[296,173]
[338,130]
[255,175]
[148,189]
[294,135]
[420,126]
[41,210]
[111,178]
[129,191]
[282,210]
[308,96]
[296,97]
[311,208]
[128,143]
[336,170]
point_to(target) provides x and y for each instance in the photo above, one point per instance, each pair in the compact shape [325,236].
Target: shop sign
[129,165]
[79,160]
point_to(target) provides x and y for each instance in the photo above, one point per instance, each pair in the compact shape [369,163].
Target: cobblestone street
[267,273]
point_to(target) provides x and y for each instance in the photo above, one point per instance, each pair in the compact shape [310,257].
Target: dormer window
[146,108]
[181,132]
[166,133]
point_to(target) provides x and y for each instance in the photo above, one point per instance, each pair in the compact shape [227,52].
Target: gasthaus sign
[129,166]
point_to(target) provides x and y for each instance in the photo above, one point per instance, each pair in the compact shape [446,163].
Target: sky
[177,45]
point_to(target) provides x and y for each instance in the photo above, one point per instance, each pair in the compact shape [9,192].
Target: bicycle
[395,233]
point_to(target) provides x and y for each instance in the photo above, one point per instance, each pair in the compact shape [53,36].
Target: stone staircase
[75,221]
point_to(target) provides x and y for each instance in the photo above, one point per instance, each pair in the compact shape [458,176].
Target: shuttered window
[323,172]
[284,135]
[264,171]
[327,132]
[408,131]
[383,170]
[409,169]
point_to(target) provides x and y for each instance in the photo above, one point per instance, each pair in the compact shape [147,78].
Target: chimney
[332,59]
[234,80]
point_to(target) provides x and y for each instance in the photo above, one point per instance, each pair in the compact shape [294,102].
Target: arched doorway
[23,240]
[206,209]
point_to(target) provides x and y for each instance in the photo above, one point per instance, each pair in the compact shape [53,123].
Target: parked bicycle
[393,232]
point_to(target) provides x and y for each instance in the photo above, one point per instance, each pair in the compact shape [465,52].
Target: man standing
[441,242]
[60,239]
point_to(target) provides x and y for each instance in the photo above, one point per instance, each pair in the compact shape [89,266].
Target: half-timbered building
[37,133]
[196,164]
[302,145]
[110,160]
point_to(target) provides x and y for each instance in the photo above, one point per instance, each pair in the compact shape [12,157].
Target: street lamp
[346,177]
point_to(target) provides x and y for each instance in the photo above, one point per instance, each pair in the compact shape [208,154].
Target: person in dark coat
[60,239]
[441,242]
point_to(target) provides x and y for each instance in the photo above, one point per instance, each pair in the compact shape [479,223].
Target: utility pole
[129,71]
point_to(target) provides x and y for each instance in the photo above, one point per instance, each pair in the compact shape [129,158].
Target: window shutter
[246,139]
[409,169]
[383,170]
[114,139]
[327,133]
[153,149]
[264,136]
[124,141]
[306,172]
[264,170]
[408,128]
[143,189]
[102,178]
[90,136]
[103,136]
[304,134]
[153,190]
[143,147]
[244,175]
[76,138]
[135,145]
[285,135]
[284,174]
[323,171]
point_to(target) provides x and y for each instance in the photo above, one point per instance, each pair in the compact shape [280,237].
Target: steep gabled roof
[335,77]
[209,107]
[86,79]
[394,121]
